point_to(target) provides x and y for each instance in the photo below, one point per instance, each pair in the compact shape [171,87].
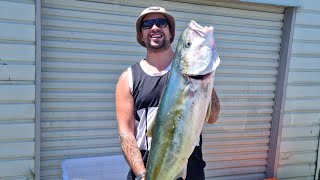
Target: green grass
[29,174]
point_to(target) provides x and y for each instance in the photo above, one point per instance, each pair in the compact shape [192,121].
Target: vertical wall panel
[300,135]
[17,88]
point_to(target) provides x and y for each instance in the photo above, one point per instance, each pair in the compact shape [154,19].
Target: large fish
[185,104]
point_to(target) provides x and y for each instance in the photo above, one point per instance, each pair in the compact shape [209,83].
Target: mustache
[156,31]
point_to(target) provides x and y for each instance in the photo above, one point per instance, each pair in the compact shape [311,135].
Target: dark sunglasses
[160,23]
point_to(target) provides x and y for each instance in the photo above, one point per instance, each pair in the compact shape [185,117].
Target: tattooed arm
[125,117]
[215,108]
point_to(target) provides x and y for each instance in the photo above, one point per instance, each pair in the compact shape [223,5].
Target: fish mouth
[200,77]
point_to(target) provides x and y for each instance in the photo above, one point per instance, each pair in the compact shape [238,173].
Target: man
[139,89]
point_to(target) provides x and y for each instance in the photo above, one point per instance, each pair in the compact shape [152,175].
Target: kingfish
[185,104]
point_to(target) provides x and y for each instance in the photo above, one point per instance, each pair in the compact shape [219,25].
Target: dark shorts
[195,169]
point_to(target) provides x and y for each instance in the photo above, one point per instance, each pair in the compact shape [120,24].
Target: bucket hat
[154,9]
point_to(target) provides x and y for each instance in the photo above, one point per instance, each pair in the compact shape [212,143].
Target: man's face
[156,39]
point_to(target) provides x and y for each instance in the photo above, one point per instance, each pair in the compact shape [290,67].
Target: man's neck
[159,61]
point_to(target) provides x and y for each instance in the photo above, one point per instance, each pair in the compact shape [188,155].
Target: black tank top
[147,89]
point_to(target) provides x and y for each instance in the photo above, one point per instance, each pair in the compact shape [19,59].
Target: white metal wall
[17,88]
[86,45]
[300,134]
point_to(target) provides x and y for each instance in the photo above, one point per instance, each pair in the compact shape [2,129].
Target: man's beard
[164,46]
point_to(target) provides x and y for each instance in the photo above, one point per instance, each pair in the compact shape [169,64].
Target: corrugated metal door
[86,45]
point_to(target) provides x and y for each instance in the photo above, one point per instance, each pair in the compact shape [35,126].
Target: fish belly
[178,125]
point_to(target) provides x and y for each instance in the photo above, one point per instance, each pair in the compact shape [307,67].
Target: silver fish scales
[185,104]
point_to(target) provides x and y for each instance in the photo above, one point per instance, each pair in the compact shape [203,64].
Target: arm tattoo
[131,152]
[215,109]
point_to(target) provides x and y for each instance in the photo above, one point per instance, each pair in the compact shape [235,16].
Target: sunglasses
[160,23]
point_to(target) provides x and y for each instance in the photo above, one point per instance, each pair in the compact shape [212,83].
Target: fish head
[197,51]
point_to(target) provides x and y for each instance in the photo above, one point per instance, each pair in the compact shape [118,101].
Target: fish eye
[187,44]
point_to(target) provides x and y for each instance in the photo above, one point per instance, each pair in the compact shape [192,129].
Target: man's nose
[154,26]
